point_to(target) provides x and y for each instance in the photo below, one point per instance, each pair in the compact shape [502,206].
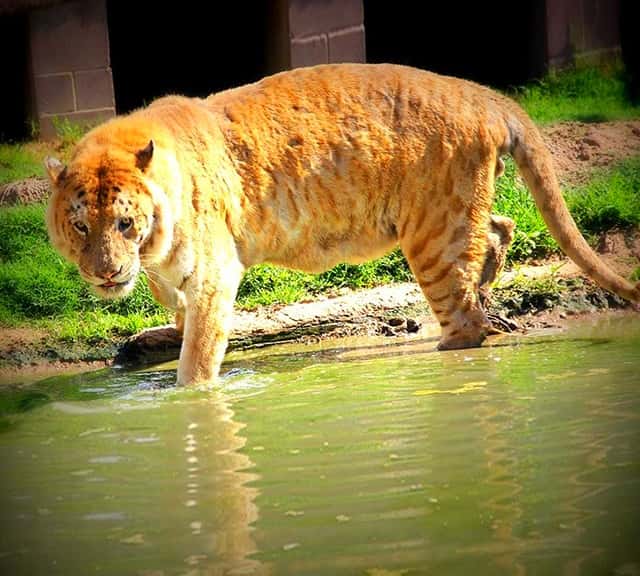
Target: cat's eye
[124,224]
[81,228]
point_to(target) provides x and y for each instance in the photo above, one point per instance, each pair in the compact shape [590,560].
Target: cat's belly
[325,250]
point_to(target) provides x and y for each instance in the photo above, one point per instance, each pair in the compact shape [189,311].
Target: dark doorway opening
[499,43]
[630,44]
[190,48]
[16,93]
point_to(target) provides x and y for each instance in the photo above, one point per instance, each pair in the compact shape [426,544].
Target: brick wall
[70,64]
[322,31]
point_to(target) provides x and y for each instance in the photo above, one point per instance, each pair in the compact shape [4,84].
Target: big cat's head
[107,215]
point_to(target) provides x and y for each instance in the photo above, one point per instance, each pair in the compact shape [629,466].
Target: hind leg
[446,252]
[499,239]
[455,303]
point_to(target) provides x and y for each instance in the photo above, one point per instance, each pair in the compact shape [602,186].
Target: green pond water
[378,458]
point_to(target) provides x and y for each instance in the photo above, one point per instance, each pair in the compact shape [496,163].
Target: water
[378,458]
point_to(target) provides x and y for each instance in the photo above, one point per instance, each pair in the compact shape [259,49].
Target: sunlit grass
[22,160]
[102,325]
[610,199]
[587,95]
[36,282]
[266,284]
[18,162]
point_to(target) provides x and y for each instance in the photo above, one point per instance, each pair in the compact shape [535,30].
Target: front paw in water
[151,346]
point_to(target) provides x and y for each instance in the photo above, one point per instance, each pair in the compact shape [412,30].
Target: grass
[69,132]
[611,199]
[18,162]
[513,199]
[102,325]
[587,95]
[24,159]
[268,284]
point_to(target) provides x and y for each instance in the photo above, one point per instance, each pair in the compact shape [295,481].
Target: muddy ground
[526,297]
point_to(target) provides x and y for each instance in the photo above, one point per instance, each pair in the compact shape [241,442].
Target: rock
[396,326]
[412,325]
[592,141]
[27,191]
[151,345]
[387,330]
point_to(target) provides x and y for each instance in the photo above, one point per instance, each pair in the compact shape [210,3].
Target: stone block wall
[70,64]
[323,31]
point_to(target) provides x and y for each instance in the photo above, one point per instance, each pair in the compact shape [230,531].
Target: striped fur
[305,169]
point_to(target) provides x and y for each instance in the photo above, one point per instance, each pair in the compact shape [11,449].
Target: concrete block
[309,51]
[347,45]
[54,94]
[69,36]
[309,17]
[94,89]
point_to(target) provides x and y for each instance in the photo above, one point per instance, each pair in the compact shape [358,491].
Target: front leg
[207,323]
[169,297]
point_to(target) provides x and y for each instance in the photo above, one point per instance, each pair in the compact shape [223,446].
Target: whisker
[153,275]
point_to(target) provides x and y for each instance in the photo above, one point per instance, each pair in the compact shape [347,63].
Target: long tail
[534,162]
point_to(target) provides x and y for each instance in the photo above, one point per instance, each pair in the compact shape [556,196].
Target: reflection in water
[595,448]
[148,482]
[503,505]
[556,487]
[233,542]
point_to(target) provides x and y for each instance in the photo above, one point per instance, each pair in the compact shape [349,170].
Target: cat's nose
[112,274]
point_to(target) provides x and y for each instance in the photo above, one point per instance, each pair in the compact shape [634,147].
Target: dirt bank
[580,148]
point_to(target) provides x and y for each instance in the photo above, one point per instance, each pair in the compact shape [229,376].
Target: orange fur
[305,169]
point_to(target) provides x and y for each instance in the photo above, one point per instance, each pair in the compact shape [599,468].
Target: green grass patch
[25,159]
[17,162]
[70,132]
[513,199]
[100,325]
[266,284]
[585,94]
[611,199]
[390,268]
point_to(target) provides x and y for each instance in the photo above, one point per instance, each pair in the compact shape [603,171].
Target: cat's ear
[143,157]
[55,169]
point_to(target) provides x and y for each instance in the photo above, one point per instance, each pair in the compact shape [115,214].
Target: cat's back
[381,104]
